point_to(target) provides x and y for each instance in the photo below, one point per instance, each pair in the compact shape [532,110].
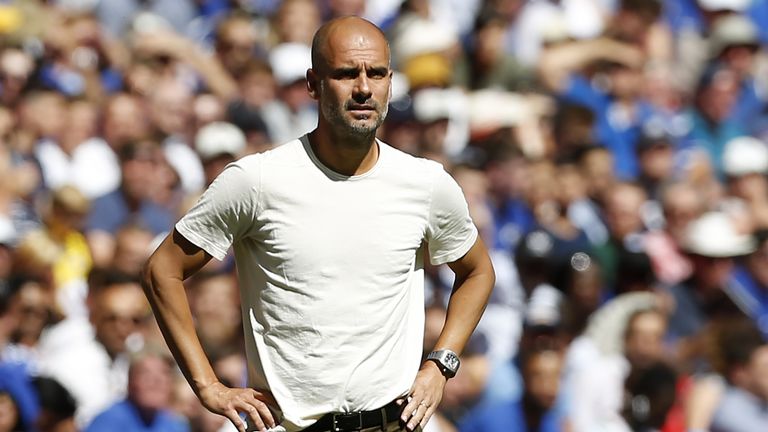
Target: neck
[345,154]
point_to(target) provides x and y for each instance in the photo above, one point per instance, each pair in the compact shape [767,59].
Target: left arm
[472,288]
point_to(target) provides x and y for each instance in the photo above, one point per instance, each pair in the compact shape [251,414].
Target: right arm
[175,260]
[557,63]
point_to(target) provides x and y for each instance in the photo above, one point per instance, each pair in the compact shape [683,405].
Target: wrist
[446,361]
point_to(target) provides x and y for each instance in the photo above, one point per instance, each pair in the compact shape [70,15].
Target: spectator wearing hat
[218,144]
[734,43]
[293,112]
[745,165]
[711,242]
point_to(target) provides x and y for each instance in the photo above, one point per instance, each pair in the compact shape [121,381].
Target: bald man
[329,233]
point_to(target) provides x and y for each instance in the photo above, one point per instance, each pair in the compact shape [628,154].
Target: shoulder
[409,165]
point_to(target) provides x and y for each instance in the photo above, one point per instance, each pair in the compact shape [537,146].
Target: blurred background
[613,154]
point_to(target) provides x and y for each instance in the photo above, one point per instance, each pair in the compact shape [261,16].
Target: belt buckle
[342,422]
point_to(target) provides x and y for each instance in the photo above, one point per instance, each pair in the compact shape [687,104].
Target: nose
[362,89]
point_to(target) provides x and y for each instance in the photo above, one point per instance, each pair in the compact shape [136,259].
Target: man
[146,406]
[328,232]
[89,357]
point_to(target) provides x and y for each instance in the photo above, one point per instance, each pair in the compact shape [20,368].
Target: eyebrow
[353,70]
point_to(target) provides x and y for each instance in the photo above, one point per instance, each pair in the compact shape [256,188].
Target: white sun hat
[714,235]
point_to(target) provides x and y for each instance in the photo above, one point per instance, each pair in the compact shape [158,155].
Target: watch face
[451,361]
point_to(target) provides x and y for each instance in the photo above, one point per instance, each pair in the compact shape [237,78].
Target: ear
[313,84]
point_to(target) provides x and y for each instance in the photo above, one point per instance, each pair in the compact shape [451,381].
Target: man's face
[116,313]
[542,377]
[644,342]
[353,86]
[150,383]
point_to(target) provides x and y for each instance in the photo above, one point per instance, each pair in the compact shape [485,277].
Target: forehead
[353,44]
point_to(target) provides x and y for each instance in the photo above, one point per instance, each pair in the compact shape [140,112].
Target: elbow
[147,275]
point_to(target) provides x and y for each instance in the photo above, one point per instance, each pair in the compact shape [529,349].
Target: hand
[424,397]
[229,402]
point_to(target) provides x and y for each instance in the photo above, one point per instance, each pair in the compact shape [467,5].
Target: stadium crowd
[614,155]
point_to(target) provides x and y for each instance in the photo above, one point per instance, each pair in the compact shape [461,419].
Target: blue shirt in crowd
[124,416]
[508,416]
[110,212]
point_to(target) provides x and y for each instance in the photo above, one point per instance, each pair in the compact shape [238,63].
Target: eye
[377,73]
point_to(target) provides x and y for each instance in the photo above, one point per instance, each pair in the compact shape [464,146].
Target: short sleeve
[450,231]
[580,91]
[226,211]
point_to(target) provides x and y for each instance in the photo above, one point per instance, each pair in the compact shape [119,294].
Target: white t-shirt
[331,271]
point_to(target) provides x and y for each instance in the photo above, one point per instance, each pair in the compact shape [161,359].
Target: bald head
[348,30]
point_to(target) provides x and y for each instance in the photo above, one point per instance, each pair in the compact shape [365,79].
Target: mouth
[360,108]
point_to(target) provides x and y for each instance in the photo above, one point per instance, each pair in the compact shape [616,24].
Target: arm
[560,61]
[173,261]
[475,278]
[211,71]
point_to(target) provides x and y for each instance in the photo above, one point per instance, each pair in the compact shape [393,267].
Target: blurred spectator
[63,219]
[218,144]
[16,67]
[714,121]
[681,204]
[293,112]
[19,406]
[215,303]
[76,156]
[745,369]
[582,284]
[488,65]
[596,164]
[623,205]
[133,245]
[745,165]
[655,155]
[537,409]
[150,386]
[33,304]
[90,357]
[749,283]
[651,392]
[124,120]
[297,20]
[627,332]
[130,203]
[619,112]
[236,42]
[121,16]
[712,242]
[57,406]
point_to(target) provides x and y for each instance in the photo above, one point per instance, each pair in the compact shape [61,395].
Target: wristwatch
[447,360]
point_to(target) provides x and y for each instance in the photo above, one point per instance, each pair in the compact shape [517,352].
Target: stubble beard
[337,116]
